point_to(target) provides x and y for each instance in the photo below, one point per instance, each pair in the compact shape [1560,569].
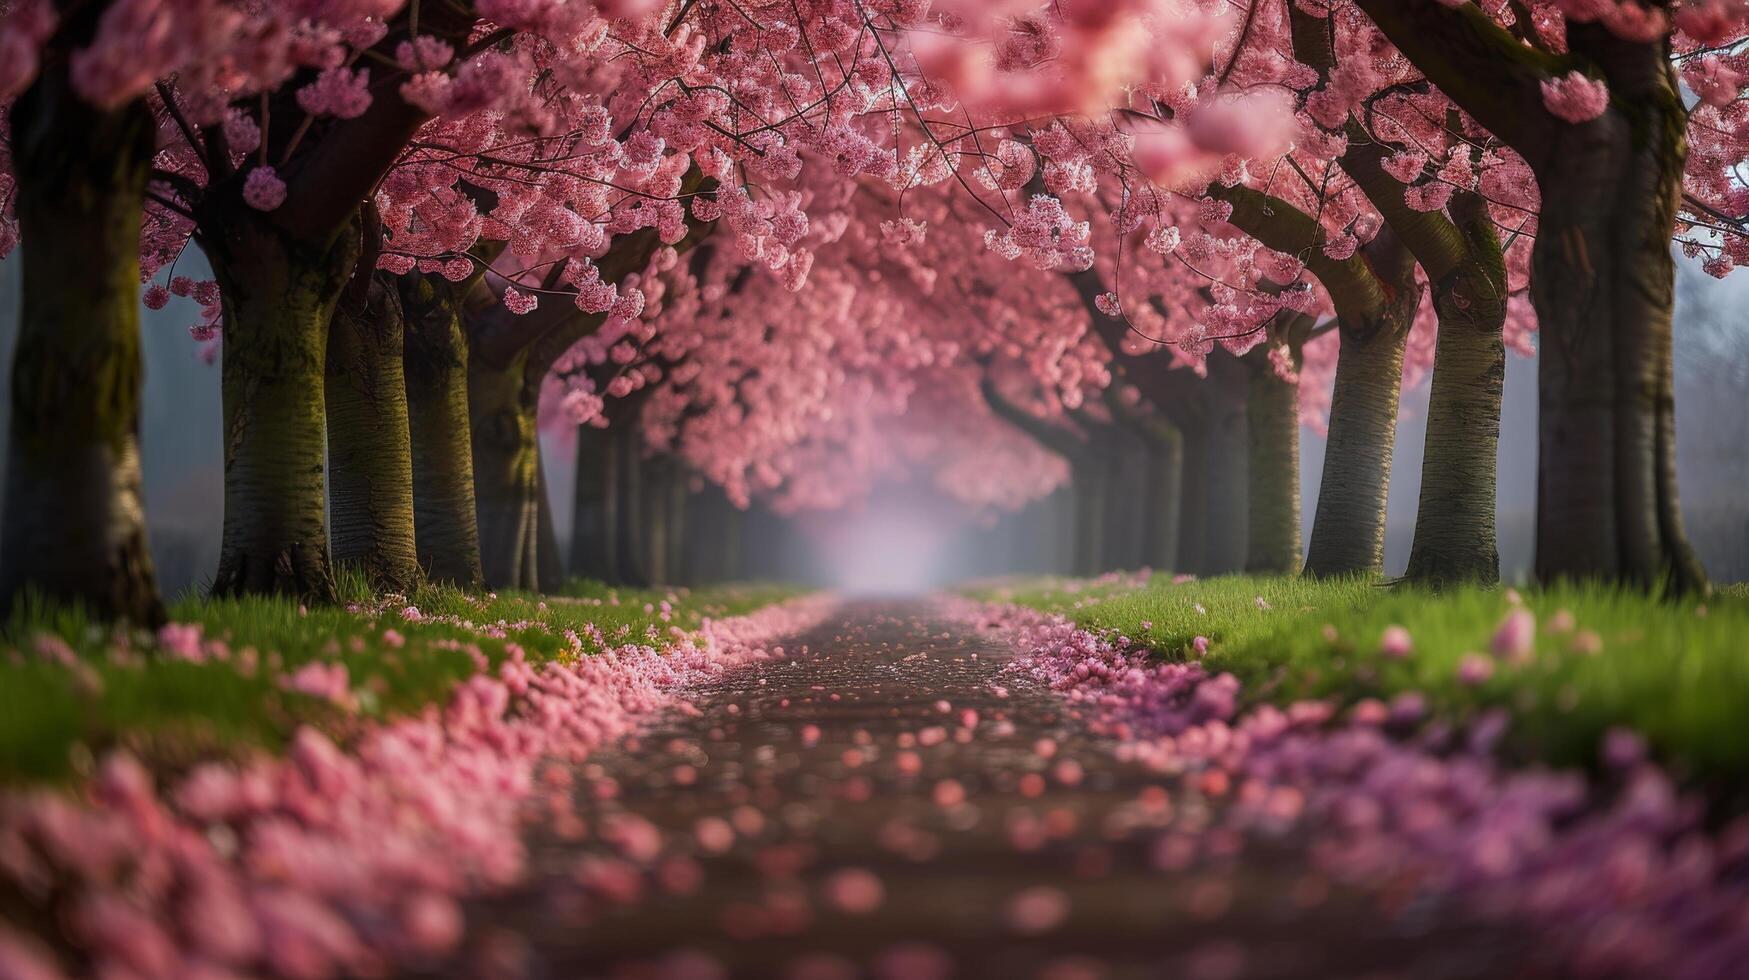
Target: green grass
[1675,671]
[54,721]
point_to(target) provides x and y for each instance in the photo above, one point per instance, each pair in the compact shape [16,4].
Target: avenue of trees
[759,254]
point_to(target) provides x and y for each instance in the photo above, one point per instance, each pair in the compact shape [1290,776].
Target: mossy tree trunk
[370,496]
[507,478]
[1455,525]
[280,293]
[549,563]
[1273,433]
[1348,531]
[74,526]
[435,364]
[1272,412]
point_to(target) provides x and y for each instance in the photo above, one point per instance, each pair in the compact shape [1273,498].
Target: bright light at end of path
[882,551]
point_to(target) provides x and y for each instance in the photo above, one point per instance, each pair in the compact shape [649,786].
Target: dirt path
[832,815]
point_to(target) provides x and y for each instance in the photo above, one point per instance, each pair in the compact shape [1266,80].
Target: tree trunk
[1089,489]
[446,527]
[1273,506]
[1348,531]
[1164,480]
[549,564]
[1125,465]
[279,299]
[1193,501]
[1454,520]
[1062,524]
[657,517]
[714,538]
[679,528]
[370,496]
[1225,466]
[506,474]
[1603,285]
[733,534]
[630,548]
[1602,280]
[74,526]
[591,537]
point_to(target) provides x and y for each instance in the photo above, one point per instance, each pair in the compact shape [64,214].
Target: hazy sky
[183,467]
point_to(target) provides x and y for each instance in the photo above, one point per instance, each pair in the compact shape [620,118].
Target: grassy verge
[228,678]
[1676,672]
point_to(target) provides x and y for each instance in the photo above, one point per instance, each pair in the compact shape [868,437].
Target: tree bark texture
[435,364]
[370,493]
[507,479]
[74,527]
[279,294]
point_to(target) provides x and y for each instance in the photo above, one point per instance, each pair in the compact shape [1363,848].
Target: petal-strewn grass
[243,673]
[1587,659]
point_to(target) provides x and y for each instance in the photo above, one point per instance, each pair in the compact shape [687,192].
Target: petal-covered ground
[952,790]
[932,789]
[332,861]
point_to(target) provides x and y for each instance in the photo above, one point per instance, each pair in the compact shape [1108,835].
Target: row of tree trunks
[1602,279]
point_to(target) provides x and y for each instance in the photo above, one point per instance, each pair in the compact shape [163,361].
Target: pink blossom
[339,92]
[1395,643]
[263,190]
[320,680]
[1515,639]
[1474,669]
[518,302]
[1575,98]
[181,641]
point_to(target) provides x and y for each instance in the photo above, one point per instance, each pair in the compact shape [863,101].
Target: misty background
[906,536]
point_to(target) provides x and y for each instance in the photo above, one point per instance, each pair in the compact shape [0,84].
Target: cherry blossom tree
[1588,95]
